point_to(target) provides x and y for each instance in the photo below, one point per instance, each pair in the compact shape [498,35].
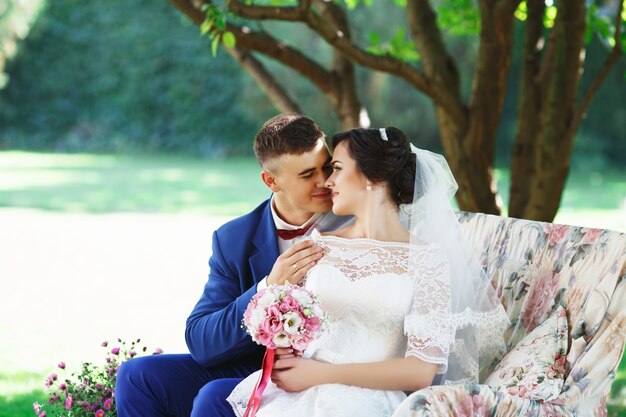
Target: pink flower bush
[90,393]
[284,316]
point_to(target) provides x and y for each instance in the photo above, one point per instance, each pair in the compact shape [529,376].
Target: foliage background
[137,77]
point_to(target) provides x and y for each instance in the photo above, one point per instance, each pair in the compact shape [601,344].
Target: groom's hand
[293,265]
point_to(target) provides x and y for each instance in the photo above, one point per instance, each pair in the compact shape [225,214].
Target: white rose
[291,322]
[302,297]
[257,317]
[266,299]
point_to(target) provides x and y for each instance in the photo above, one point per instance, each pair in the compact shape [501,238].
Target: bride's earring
[369,187]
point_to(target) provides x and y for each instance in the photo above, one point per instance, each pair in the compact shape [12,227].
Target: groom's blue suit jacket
[244,251]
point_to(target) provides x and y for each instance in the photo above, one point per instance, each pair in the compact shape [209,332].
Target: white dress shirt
[284,244]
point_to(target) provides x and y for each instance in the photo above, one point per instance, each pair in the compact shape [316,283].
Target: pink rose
[540,298]
[115,351]
[37,408]
[289,304]
[272,326]
[312,324]
[591,235]
[274,322]
[68,403]
[99,413]
[301,341]
[264,337]
[555,232]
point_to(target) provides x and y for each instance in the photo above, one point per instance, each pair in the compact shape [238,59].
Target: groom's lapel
[266,246]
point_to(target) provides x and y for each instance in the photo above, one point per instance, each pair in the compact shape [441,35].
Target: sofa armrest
[474,400]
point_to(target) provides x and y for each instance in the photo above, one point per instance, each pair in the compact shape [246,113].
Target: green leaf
[229,40]
[374,38]
[550,16]
[215,44]
[459,17]
[522,12]
[205,27]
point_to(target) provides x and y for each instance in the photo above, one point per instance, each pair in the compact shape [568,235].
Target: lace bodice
[379,306]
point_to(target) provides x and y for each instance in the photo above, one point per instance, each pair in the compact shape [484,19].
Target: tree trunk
[344,97]
[529,110]
[552,157]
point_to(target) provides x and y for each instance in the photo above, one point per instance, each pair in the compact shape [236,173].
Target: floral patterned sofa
[538,269]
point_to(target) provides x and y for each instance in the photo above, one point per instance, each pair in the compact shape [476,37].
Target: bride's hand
[286,353]
[298,374]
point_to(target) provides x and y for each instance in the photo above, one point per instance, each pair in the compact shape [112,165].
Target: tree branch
[268,45]
[265,80]
[340,41]
[548,59]
[289,13]
[610,61]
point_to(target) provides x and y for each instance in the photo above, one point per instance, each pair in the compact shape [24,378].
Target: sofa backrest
[536,266]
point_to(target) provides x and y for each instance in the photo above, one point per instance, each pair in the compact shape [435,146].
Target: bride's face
[347,182]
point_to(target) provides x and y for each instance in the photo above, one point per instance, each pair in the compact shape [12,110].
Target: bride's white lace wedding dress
[377,311]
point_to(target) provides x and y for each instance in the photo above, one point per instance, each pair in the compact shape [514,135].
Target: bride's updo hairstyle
[381,160]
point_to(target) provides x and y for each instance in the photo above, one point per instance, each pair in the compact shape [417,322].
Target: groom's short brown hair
[286,134]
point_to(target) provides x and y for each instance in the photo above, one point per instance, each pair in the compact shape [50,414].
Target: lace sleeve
[428,326]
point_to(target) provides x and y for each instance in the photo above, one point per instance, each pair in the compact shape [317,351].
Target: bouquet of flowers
[281,316]
[90,393]
[284,316]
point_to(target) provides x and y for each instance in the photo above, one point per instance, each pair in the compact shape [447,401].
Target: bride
[407,301]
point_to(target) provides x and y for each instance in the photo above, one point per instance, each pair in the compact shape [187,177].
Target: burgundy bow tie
[290,234]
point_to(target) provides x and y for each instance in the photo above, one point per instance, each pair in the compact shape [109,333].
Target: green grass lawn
[99,184]
[104,184]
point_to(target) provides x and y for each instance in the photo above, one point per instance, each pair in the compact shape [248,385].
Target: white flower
[291,322]
[266,299]
[281,340]
[257,317]
[302,297]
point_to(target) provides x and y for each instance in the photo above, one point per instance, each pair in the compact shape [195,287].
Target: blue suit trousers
[175,385]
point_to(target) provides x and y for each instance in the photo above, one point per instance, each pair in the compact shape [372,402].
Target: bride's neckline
[316,234]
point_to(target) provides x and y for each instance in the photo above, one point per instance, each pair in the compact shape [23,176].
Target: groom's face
[298,181]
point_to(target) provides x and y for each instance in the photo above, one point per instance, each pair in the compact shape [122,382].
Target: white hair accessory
[383,134]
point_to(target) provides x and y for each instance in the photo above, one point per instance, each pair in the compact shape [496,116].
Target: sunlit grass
[592,200]
[103,184]
[108,183]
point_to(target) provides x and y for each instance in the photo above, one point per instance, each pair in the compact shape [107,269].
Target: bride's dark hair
[380,160]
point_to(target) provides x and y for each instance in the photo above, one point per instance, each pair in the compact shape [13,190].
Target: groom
[260,248]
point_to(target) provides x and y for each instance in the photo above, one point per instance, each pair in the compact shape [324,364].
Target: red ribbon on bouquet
[266,370]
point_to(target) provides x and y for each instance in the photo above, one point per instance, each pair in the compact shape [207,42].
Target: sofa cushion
[535,368]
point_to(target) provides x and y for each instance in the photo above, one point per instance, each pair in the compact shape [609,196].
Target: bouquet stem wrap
[255,399]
